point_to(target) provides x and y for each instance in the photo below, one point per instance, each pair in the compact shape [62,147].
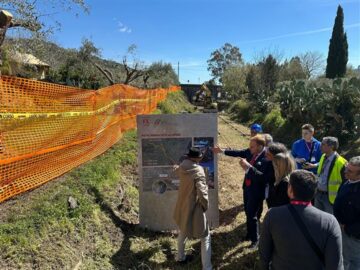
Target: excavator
[204,99]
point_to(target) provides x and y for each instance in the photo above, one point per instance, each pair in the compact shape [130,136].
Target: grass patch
[43,231]
[240,111]
[176,102]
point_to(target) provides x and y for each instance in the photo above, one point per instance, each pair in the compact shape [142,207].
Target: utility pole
[178,71]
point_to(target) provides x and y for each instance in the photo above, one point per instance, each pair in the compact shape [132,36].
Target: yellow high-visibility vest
[334,178]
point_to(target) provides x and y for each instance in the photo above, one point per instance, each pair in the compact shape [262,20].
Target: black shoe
[254,245]
[188,258]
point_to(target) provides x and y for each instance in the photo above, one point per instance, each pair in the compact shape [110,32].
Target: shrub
[175,102]
[273,120]
[240,111]
[332,106]
[288,133]
[223,105]
[257,118]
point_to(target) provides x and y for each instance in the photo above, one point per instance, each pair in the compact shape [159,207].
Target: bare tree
[30,15]
[132,73]
[313,63]
[88,52]
[276,52]
[146,78]
[7,22]
[134,69]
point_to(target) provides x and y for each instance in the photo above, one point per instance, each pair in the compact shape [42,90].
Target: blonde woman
[283,164]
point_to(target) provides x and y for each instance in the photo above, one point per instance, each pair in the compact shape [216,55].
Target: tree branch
[32,26]
[106,73]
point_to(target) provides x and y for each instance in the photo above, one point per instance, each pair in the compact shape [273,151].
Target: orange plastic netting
[48,129]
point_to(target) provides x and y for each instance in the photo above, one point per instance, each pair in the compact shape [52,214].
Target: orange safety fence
[48,129]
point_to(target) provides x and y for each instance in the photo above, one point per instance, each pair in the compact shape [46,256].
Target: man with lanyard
[298,236]
[256,167]
[306,151]
[347,212]
[331,174]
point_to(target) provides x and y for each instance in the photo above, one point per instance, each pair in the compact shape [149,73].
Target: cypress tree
[338,48]
[269,72]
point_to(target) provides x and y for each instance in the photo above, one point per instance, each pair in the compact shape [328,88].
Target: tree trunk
[5,22]
[105,72]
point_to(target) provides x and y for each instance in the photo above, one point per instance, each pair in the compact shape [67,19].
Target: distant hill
[67,68]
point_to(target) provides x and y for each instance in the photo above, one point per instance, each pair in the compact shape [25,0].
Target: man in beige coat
[191,205]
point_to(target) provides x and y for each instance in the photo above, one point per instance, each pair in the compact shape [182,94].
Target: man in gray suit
[298,235]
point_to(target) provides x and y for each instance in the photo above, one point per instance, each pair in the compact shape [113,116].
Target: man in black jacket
[347,212]
[283,241]
[256,167]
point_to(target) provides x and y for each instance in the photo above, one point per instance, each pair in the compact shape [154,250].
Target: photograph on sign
[159,179]
[205,144]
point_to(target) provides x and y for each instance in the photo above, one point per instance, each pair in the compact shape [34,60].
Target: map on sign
[160,154]
[164,151]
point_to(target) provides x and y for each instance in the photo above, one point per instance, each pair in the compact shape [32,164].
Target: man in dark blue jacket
[347,212]
[256,168]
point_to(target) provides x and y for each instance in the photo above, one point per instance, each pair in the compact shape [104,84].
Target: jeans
[322,203]
[205,250]
[351,252]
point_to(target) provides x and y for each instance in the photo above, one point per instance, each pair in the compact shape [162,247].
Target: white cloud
[304,33]
[123,28]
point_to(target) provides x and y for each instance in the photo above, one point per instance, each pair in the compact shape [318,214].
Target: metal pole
[179,71]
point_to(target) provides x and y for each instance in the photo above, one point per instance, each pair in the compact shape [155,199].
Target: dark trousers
[253,205]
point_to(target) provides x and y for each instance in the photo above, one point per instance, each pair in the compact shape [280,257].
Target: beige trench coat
[192,201]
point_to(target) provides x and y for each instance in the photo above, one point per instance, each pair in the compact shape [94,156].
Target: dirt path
[229,249]
[230,173]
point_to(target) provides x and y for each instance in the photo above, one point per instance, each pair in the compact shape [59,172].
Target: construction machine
[204,99]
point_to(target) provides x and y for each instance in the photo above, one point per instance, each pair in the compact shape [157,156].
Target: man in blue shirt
[307,151]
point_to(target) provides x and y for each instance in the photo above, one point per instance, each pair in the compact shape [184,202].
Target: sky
[187,31]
